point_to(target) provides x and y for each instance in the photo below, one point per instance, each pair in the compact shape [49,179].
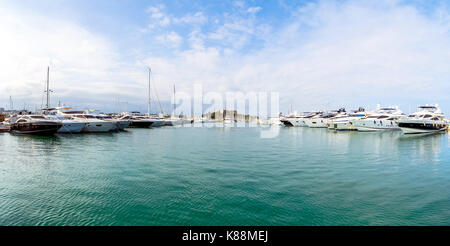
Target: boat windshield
[37,117]
[73,112]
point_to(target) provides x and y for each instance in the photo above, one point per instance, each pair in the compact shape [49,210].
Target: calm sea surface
[225,176]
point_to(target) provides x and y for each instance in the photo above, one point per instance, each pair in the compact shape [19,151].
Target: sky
[316,54]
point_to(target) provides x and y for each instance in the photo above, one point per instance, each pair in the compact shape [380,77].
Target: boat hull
[375,125]
[72,127]
[4,127]
[316,123]
[293,122]
[36,128]
[345,127]
[123,125]
[141,123]
[418,128]
[375,129]
[159,123]
[99,127]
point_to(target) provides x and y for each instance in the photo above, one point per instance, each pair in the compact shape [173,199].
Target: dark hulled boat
[35,125]
[138,121]
[428,119]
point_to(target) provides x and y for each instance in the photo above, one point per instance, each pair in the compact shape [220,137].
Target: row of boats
[428,119]
[63,120]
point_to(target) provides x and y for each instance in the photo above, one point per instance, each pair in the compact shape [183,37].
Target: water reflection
[382,145]
[37,145]
[423,146]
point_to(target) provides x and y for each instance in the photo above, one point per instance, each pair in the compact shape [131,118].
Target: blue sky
[316,54]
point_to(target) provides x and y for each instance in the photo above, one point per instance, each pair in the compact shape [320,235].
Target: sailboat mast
[174,100]
[48,89]
[149,90]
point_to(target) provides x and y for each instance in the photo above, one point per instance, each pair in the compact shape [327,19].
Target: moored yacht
[295,119]
[69,126]
[345,123]
[35,125]
[319,120]
[428,119]
[380,119]
[120,124]
[92,123]
[141,121]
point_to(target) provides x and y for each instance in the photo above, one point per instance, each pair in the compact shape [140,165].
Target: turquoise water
[225,176]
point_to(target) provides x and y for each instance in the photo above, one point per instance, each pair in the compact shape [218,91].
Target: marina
[264,117]
[427,120]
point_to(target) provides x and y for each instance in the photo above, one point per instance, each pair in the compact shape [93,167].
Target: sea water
[225,176]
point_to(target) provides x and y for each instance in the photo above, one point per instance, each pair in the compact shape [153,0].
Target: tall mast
[48,89]
[149,95]
[174,100]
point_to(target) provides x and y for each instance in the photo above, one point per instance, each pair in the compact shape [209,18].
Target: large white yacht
[93,124]
[380,119]
[428,119]
[69,126]
[294,119]
[320,120]
[120,124]
[345,122]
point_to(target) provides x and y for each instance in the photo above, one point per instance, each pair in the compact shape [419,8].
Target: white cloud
[160,18]
[254,10]
[330,55]
[171,39]
[197,18]
[82,63]
[327,54]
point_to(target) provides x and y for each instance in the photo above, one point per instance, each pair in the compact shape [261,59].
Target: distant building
[2,110]
[222,115]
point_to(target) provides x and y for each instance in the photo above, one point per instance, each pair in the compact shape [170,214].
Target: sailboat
[173,120]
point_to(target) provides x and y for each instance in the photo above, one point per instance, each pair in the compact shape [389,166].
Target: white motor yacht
[93,124]
[345,123]
[428,119]
[120,124]
[295,119]
[69,126]
[319,120]
[380,119]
